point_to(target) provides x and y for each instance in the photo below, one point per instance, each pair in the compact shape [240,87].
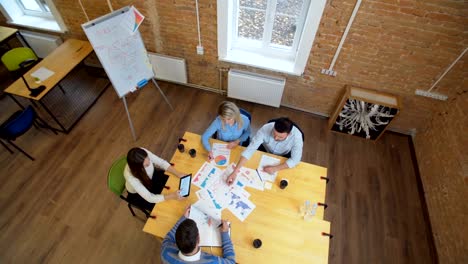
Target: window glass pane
[30,5]
[44,4]
[251,23]
[284,25]
[284,29]
[289,7]
[260,4]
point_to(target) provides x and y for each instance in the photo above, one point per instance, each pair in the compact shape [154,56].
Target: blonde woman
[230,126]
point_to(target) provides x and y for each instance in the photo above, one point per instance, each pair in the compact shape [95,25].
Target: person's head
[229,114]
[282,128]
[137,160]
[187,236]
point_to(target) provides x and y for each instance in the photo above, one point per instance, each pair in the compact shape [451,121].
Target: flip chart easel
[121,51]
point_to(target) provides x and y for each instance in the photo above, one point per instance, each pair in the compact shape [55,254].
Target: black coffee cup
[257,243]
[283,183]
[192,153]
[181,148]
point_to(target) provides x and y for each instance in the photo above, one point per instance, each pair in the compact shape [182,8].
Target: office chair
[18,61]
[247,114]
[116,183]
[18,124]
[14,57]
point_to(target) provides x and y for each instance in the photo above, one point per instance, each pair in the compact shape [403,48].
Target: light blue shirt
[229,133]
[293,143]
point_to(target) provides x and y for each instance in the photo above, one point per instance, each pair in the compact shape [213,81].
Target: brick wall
[443,161]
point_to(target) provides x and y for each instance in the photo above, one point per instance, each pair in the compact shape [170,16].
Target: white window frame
[42,13]
[13,11]
[264,45]
[291,63]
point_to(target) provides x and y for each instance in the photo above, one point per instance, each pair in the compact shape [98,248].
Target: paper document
[250,178]
[42,74]
[240,206]
[133,20]
[267,161]
[221,154]
[210,234]
[206,175]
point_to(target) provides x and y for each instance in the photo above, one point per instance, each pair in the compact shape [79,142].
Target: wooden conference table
[286,236]
[61,61]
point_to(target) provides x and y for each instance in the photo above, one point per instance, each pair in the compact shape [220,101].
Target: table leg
[55,118]
[16,101]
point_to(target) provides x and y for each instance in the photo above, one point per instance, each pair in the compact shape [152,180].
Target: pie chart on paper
[220,160]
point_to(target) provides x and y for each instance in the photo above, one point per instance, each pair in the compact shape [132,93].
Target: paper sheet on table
[42,74]
[267,161]
[250,178]
[240,206]
[221,154]
[208,230]
[206,175]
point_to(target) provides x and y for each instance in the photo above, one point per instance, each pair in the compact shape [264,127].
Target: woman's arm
[210,132]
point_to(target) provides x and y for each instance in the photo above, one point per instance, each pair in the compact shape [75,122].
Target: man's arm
[296,151]
[228,249]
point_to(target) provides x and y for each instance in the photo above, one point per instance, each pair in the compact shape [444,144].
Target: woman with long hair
[230,126]
[145,178]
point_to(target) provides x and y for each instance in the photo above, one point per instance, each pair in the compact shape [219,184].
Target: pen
[220,225]
[79,49]
[258,173]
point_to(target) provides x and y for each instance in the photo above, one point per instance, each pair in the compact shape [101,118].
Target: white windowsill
[260,61]
[34,22]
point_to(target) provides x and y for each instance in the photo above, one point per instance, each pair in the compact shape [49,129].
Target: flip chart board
[120,49]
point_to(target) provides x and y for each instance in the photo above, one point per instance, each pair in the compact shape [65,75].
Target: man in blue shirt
[181,244]
[281,138]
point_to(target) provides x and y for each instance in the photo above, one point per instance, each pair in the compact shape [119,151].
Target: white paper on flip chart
[268,161]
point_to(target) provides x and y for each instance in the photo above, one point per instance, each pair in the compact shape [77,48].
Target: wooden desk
[286,237]
[6,33]
[61,61]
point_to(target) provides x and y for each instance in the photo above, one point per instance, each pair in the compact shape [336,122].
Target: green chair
[116,183]
[14,57]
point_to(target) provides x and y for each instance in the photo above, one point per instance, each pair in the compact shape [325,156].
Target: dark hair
[187,236]
[283,125]
[135,159]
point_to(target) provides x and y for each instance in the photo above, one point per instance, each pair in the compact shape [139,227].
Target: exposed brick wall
[443,161]
[395,46]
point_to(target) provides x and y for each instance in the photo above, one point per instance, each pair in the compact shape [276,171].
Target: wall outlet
[329,72]
[200,50]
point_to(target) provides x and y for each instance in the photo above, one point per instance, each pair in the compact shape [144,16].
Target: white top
[264,136]
[192,258]
[134,185]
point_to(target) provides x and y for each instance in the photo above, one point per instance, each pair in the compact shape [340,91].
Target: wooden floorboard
[58,209]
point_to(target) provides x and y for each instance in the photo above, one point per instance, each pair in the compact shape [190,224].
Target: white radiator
[42,44]
[255,88]
[168,68]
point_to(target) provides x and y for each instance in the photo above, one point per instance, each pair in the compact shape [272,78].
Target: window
[38,14]
[271,34]
[34,7]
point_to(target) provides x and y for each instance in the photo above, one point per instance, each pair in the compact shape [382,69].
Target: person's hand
[187,212]
[233,144]
[210,156]
[174,196]
[270,169]
[225,226]
[231,178]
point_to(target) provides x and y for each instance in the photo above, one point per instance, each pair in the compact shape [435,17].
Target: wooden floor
[58,209]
